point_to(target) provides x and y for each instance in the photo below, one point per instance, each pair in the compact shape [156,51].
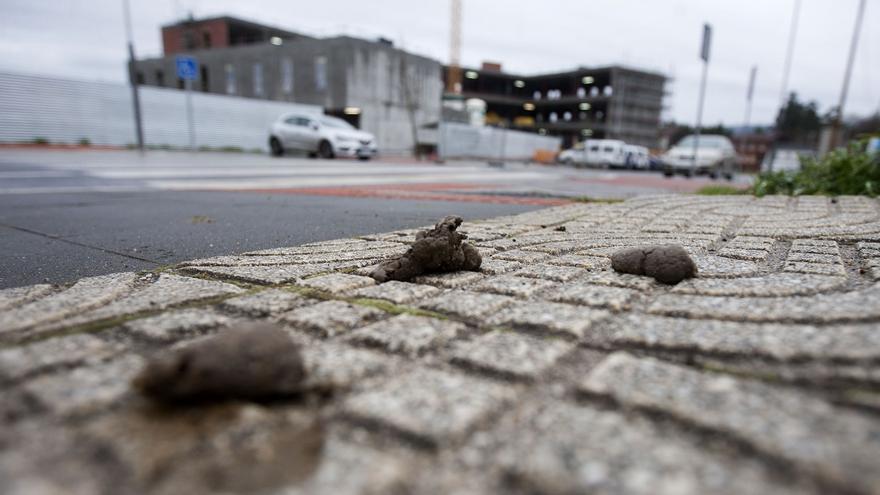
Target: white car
[573,156]
[715,156]
[320,135]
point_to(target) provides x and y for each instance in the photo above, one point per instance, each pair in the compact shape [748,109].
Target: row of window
[257,78]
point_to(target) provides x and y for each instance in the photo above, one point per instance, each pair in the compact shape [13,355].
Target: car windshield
[335,123]
[705,142]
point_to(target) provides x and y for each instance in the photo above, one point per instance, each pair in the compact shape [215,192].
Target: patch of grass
[720,190]
[394,309]
[850,171]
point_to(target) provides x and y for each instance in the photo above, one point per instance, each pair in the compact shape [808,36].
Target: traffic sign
[187,67]
[707,41]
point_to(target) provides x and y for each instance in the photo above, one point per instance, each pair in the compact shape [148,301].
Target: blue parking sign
[187,67]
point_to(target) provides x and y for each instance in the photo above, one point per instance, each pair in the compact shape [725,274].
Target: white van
[605,152]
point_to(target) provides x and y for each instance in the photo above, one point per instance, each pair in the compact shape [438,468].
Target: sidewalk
[545,373]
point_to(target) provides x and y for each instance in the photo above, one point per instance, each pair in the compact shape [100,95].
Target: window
[258,79]
[188,42]
[229,69]
[320,73]
[206,39]
[594,148]
[160,78]
[287,76]
[139,77]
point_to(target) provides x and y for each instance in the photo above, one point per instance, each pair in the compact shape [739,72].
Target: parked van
[605,152]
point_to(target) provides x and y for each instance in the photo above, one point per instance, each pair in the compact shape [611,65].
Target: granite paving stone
[410,403]
[177,325]
[544,372]
[331,318]
[547,317]
[613,298]
[407,334]
[268,302]
[838,445]
[465,304]
[337,282]
[561,448]
[510,353]
[397,292]
[84,390]
[50,354]
[781,342]
[513,286]
[856,305]
[558,273]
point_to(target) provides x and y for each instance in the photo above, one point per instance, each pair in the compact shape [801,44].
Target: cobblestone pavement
[546,372]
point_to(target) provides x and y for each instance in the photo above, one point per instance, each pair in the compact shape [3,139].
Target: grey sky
[85,39]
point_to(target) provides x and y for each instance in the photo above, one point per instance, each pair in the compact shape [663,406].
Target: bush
[40,140]
[84,142]
[843,171]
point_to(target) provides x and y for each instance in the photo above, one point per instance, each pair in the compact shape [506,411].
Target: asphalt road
[70,214]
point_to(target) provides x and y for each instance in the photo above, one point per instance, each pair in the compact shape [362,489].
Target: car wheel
[667,173]
[363,158]
[713,174]
[729,176]
[275,147]
[312,154]
[325,149]
[688,173]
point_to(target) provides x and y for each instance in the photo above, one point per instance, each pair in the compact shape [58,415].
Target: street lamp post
[704,55]
[837,123]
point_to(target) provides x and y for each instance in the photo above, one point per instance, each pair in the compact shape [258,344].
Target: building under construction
[586,103]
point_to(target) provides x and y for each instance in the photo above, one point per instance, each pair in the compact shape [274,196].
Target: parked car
[637,157]
[715,156]
[320,135]
[573,156]
[781,158]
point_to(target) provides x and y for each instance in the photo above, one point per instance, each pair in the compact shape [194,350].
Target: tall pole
[846,77]
[132,78]
[453,75]
[749,93]
[704,55]
[189,115]
[789,52]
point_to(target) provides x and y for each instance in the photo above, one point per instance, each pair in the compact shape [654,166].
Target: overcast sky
[85,39]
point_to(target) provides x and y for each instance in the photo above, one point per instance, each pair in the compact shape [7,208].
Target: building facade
[611,102]
[372,84]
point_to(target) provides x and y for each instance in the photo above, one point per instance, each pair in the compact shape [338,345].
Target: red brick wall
[172,36]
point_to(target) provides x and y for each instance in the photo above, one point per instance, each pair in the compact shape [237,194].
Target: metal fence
[68,111]
[456,140]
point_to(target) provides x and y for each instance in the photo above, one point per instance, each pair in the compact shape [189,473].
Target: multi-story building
[609,102]
[372,84]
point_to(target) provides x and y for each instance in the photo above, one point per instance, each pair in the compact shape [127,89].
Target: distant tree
[677,132]
[798,122]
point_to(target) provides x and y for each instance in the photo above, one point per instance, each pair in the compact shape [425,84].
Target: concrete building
[609,102]
[372,84]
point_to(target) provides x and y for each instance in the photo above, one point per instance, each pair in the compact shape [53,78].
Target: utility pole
[789,52]
[838,118]
[132,78]
[453,74]
[704,55]
[749,93]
